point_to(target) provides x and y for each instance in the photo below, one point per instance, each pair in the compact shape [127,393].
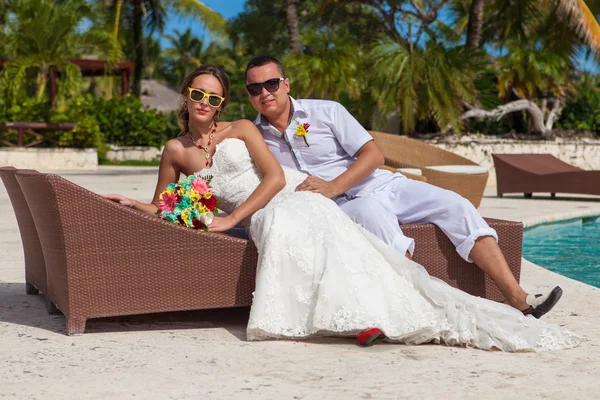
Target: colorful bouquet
[189,202]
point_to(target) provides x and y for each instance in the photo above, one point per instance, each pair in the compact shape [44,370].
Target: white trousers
[398,199]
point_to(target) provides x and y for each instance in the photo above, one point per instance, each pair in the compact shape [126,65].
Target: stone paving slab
[203,354]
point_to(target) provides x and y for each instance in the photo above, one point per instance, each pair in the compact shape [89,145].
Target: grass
[135,163]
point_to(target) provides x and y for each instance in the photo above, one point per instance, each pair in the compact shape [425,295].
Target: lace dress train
[320,274]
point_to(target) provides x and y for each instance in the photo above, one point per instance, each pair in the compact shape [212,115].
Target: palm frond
[424,82]
[582,20]
[326,73]
[13,75]
[155,16]
[70,79]
[213,21]
[103,44]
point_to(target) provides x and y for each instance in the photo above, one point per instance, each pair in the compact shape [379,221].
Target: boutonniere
[302,130]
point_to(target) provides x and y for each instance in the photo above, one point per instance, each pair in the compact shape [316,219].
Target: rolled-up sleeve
[348,131]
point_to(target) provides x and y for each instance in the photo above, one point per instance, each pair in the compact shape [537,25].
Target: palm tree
[183,51]
[539,55]
[144,17]
[187,52]
[423,82]
[43,35]
[291,11]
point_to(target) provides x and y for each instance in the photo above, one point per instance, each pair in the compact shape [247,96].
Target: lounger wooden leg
[499,195]
[51,307]
[528,195]
[553,195]
[75,326]
[30,289]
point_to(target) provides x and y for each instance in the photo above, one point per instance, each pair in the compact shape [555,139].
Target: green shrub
[86,134]
[125,122]
[119,121]
[26,110]
[582,110]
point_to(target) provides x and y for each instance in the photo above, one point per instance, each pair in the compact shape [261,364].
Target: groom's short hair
[259,61]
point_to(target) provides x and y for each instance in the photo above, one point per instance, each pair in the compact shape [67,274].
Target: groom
[322,139]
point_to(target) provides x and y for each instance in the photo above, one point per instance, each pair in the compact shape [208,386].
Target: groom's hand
[318,185]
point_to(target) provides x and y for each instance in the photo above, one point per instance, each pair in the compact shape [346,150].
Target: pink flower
[167,202]
[200,186]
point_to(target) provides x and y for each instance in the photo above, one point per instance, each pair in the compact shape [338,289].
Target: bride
[319,273]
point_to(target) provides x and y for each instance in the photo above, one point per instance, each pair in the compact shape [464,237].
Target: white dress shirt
[334,137]
[384,198]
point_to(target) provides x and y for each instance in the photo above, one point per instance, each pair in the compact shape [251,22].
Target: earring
[217,115]
[185,106]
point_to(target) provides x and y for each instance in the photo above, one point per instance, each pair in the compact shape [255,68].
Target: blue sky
[227,8]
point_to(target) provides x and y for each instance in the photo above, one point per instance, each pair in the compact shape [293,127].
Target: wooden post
[53,85]
[124,82]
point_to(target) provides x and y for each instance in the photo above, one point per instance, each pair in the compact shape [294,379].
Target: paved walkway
[203,354]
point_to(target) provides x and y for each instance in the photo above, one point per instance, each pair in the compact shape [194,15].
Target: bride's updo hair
[207,69]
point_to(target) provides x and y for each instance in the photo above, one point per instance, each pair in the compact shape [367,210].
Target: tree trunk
[138,43]
[554,114]
[42,82]
[537,117]
[2,12]
[475,24]
[291,12]
[52,75]
[118,7]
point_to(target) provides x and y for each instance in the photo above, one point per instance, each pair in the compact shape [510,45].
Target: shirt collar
[297,109]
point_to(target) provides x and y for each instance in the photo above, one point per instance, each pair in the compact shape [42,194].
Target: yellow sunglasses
[197,95]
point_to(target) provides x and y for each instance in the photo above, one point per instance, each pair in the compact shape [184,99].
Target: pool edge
[563,217]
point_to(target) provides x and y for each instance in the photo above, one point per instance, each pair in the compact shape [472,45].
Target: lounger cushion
[413,171]
[460,169]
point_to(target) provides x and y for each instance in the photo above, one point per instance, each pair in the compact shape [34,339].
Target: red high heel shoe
[367,337]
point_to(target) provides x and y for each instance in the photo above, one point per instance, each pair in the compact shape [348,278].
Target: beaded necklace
[211,136]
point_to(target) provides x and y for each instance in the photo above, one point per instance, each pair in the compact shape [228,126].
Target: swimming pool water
[570,248]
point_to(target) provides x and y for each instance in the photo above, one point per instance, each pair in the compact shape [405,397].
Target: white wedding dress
[320,274]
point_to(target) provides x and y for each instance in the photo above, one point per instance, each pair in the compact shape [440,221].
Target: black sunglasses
[272,85]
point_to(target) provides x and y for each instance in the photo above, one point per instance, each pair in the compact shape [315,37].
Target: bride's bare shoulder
[243,128]
[176,145]
[243,125]
[240,129]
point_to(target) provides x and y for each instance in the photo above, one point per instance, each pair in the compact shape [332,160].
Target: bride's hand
[120,199]
[222,224]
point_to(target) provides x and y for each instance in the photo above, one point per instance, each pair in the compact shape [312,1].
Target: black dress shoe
[540,304]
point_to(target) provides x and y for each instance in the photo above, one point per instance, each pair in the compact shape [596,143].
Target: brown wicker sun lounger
[403,152]
[531,173]
[35,268]
[104,259]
